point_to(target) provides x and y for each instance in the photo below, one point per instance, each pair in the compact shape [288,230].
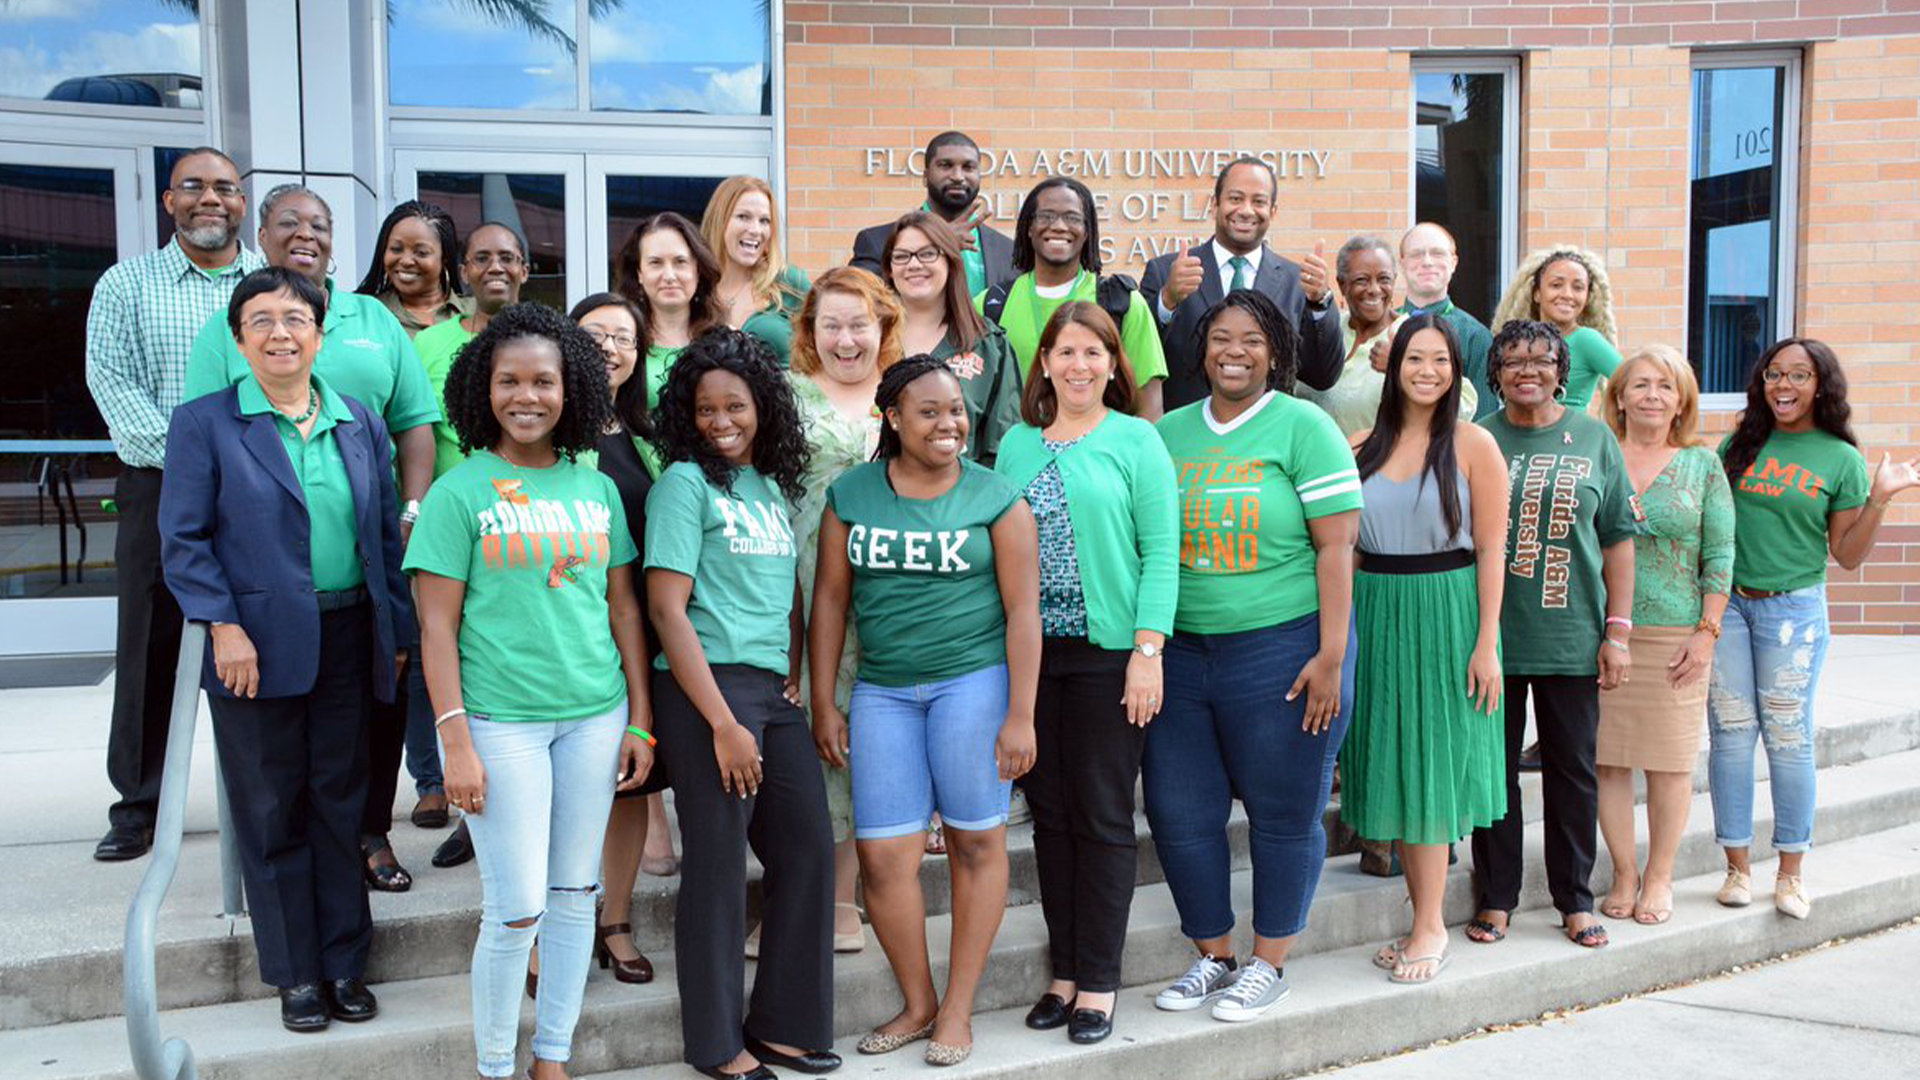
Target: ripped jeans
[549,789]
[1765,669]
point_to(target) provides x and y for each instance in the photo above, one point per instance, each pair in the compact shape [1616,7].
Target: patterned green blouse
[1686,550]
[838,444]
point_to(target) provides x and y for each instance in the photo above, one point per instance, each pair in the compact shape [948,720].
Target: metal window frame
[1476,63]
[1786,218]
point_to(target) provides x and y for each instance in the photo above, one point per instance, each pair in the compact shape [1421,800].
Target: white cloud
[727,92]
[31,70]
[625,40]
[25,10]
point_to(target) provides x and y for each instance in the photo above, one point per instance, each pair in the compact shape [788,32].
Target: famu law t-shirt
[534,547]
[1781,503]
[737,545]
[1248,487]
[926,599]
[1568,498]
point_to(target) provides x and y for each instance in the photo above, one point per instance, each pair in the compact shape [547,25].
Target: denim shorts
[917,749]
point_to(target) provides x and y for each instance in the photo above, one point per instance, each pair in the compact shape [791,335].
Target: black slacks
[386,738]
[1566,713]
[146,652]
[296,774]
[786,824]
[1081,792]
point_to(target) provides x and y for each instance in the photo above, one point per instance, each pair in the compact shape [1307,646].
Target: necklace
[313,406]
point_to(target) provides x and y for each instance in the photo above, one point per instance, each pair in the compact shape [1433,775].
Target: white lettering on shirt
[873,548]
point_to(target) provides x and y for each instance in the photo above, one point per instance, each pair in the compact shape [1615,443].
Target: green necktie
[1241,279]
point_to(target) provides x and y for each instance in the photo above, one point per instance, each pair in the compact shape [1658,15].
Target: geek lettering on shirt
[895,549]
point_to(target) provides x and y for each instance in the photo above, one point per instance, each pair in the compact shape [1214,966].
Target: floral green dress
[1686,548]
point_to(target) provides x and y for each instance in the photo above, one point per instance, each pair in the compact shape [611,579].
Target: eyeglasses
[1046,219]
[620,340]
[1531,363]
[294,321]
[1799,378]
[226,189]
[508,259]
[1437,254]
[926,256]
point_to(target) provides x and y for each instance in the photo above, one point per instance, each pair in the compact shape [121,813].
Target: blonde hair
[1674,366]
[766,280]
[880,302]
[1517,301]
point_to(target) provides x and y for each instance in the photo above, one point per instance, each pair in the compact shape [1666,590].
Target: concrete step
[1342,1010]
[425,1027]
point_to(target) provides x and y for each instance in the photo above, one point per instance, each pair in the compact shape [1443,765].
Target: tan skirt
[1645,723]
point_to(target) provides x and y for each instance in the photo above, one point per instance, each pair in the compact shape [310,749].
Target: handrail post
[173,1058]
[233,896]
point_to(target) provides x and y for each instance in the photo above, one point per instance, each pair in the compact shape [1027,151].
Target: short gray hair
[282,191]
[1363,242]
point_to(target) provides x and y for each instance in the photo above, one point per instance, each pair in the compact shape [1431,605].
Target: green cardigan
[1124,505]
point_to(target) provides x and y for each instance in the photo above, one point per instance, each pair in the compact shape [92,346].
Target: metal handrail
[172,1059]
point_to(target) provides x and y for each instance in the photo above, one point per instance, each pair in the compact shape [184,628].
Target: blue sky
[43,42]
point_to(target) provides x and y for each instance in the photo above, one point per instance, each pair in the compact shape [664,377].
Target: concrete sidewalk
[1842,1010]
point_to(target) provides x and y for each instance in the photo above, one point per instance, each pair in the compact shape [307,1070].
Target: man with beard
[1182,285]
[953,189]
[145,315]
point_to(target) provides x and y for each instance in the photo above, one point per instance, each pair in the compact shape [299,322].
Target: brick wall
[1605,115]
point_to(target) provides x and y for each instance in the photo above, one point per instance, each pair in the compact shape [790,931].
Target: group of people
[833,560]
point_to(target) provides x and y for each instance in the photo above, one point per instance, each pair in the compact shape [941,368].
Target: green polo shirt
[334,551]
[364,354]
[438,345]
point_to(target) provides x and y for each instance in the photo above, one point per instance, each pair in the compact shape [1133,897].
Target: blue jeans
[423,747]
[917,749]
[1765,669]
[549,788]
[1226,732]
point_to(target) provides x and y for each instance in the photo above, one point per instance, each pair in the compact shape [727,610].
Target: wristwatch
[1147,649]
[409,511]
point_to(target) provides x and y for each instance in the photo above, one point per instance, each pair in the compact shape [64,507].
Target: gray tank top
[1405,518]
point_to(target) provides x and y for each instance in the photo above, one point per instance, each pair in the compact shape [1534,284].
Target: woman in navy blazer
[280,527]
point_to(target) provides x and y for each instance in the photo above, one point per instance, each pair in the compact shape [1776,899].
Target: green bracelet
[647,735]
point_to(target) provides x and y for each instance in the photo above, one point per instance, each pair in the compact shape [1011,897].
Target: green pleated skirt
[1420,764]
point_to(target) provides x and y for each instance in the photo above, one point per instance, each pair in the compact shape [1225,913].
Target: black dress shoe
[1048,1013]
[810,1061]
[123,842]
[302,1008]
[758,1072]
[1090,1025]
[455,849]
[349,1000]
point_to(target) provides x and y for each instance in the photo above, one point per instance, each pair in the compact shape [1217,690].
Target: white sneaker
[1203,982]
[1260,987]
[1790,898]
[1737,890]
[1018,813]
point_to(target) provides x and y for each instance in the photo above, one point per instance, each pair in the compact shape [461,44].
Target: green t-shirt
[926,599]
[1027,312]
[1592,358]
[439,345]
[1781,503]
[364,354]
[773,324]
[660,360]
[1568,498]
[333,552]
[1247,490]
[533,546]
[990,379]
[738,547]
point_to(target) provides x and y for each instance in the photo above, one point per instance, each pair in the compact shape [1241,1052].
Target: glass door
[623,189]
[539,195]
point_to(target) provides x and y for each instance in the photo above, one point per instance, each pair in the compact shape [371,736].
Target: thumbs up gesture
[1315,281]
[1185,275]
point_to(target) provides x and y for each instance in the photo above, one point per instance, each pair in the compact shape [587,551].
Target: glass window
[1735,286]
[1464,136]
[481,54]
[708,58]
[57,236]
[631,199]
[535,204]
[127,52]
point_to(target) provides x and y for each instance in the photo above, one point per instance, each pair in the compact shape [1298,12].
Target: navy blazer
[234,534]
[1323,346]
[996,251]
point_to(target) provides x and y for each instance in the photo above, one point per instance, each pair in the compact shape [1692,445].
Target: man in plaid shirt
[146,312]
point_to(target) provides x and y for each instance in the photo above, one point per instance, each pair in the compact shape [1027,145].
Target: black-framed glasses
[1799,378]
[1072,219]
[621,340]
[926,256]
[226,189]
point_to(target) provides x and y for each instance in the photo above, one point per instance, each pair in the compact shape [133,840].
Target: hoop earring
[333,266]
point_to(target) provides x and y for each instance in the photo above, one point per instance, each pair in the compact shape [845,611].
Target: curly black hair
[780,450]
[1283,341]
[1023,256]
[1527,332]
[587,405]
[1831,413]
[887,395]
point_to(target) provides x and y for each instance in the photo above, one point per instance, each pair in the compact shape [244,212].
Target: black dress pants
[1081,792]
[386,738]
[1566,713]
[296,774]
[786,825]
[146,652]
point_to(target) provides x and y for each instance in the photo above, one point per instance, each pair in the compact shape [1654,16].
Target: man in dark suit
[953,193]
[1182,285]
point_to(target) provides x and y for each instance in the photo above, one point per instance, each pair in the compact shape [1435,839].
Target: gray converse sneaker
[1258,989]
[1203,982]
